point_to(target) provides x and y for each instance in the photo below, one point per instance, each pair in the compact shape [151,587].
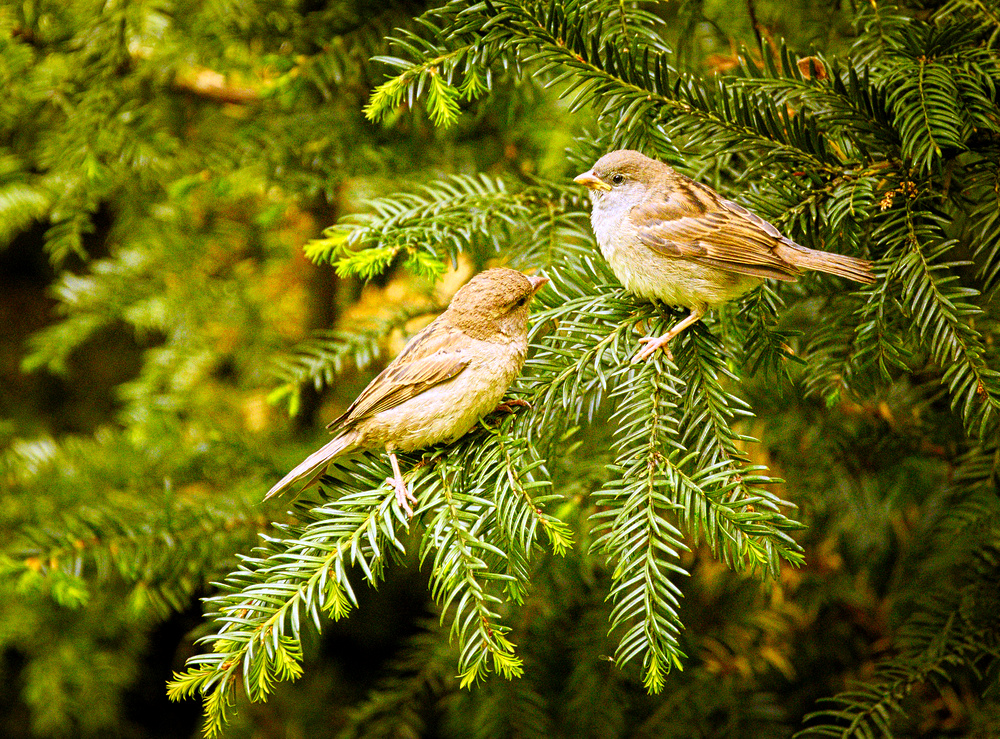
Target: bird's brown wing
[431,357]
[713,232]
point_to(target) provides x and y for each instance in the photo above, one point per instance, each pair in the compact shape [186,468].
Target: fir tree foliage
[159,151]
[852,159]
[951,628]
[584,514]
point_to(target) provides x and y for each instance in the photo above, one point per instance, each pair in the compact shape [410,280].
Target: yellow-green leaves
[431,80]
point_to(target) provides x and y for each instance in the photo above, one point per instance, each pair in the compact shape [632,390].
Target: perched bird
[447,376]
[677,240]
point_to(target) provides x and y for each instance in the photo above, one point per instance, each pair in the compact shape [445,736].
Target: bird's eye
[617,179]
[521,301]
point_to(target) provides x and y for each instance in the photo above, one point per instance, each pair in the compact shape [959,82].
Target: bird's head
[495,301]
[624,176]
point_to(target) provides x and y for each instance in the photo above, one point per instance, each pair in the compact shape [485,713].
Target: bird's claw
[508,406]
[652,344]
[427,460]
[403,495]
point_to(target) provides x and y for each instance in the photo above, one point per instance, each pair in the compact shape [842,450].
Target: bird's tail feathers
[313,465]
[859,270]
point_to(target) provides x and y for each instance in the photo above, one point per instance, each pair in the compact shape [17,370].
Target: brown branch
[209,84]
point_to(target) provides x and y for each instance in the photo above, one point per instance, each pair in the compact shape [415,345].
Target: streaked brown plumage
[677,240]
[447,377]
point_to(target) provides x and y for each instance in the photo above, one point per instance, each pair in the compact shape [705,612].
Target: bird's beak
[591,181]
[537,281]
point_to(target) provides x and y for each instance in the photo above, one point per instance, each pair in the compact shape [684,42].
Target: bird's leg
[508,406]
[403,495]
[660,342]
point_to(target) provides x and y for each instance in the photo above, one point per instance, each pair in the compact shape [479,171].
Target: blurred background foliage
[163,163]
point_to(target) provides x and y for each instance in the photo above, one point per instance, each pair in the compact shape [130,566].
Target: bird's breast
[449,409]
[674,280]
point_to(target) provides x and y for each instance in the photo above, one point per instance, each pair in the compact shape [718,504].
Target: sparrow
[446,378]
[668,237]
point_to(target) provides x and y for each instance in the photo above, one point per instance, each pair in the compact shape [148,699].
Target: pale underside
[659,249]
[674,281]
[442,386]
